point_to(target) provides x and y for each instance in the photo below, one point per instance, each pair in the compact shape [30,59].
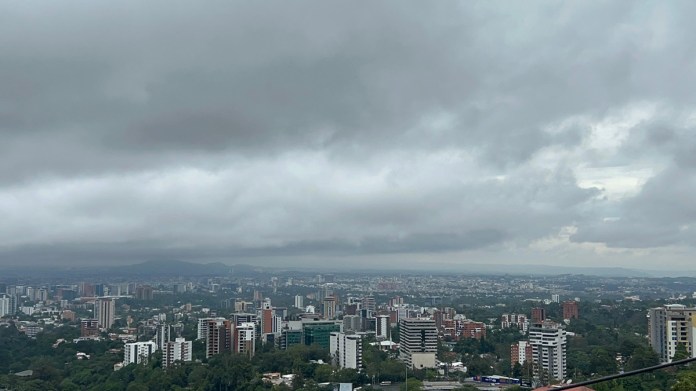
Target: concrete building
[538,315]
[352,323]
[177,350]
[382,327]
[515,320]
[4,306]
[138,352]
[245,338]
[418,342]
[329,307]
[520,353]
[220,337]
[89,328]
[299,301]
[570,310]
[318,332]
[163,335]
[549,345]
[670,326]
[346,350]
[244,317]
[144,292]
[203,326]
[105,312]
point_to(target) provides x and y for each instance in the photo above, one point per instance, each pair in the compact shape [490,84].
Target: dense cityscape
[249,328]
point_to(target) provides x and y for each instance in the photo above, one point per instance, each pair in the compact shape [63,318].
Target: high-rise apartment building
[329,307]
[570,310]
[538,315]
[243,317]
[352,323]
[520,353]
[105,311]
[670,326]
[245,338]
[144,292]
[418,342]
[138,352]
[382,327]
[203,327]
[299,301]
[4,305]
[267,321]
[163,335]
[549,345]
[369,304]
[220,337]
[89,328]
[177,350]
[346,350]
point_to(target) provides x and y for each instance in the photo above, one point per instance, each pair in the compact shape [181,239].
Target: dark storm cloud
[227,129]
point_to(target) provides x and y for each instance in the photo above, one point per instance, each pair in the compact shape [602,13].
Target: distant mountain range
[175,267]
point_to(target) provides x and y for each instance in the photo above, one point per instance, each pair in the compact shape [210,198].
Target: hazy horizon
[368,134]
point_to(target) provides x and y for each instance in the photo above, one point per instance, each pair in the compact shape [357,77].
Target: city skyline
[373,135]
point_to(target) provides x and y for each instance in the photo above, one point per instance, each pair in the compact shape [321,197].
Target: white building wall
[177,350]
[138,352]
[4,306]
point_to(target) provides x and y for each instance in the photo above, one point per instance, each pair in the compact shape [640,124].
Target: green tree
[413,385]
[685,382]
[680,352]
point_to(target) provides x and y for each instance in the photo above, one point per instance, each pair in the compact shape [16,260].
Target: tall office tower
[346,350]
[538,315]
[382,327]
[299,301]
[31,293]
[105,312]
[670,326]
[266,304]
[42,294]
[266,321]
[203,326]
[418,345]
[570,310]
[329,307]
[556,298]
[144,292]
[368,303]
[548,342]
[318,332]
[520,353]
[99,289]
[4,305]
[163,335]
[138,352]
[89,328]
[245,338]
[12,303]
[239,318]
[352,323]
[177,350]
[86,290]
[220,337]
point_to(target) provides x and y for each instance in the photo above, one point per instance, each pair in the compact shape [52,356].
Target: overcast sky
[374,134]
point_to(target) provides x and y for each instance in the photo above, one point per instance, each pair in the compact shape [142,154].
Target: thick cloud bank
[280,131]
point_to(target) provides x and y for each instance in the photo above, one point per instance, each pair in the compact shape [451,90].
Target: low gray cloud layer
[272,131]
